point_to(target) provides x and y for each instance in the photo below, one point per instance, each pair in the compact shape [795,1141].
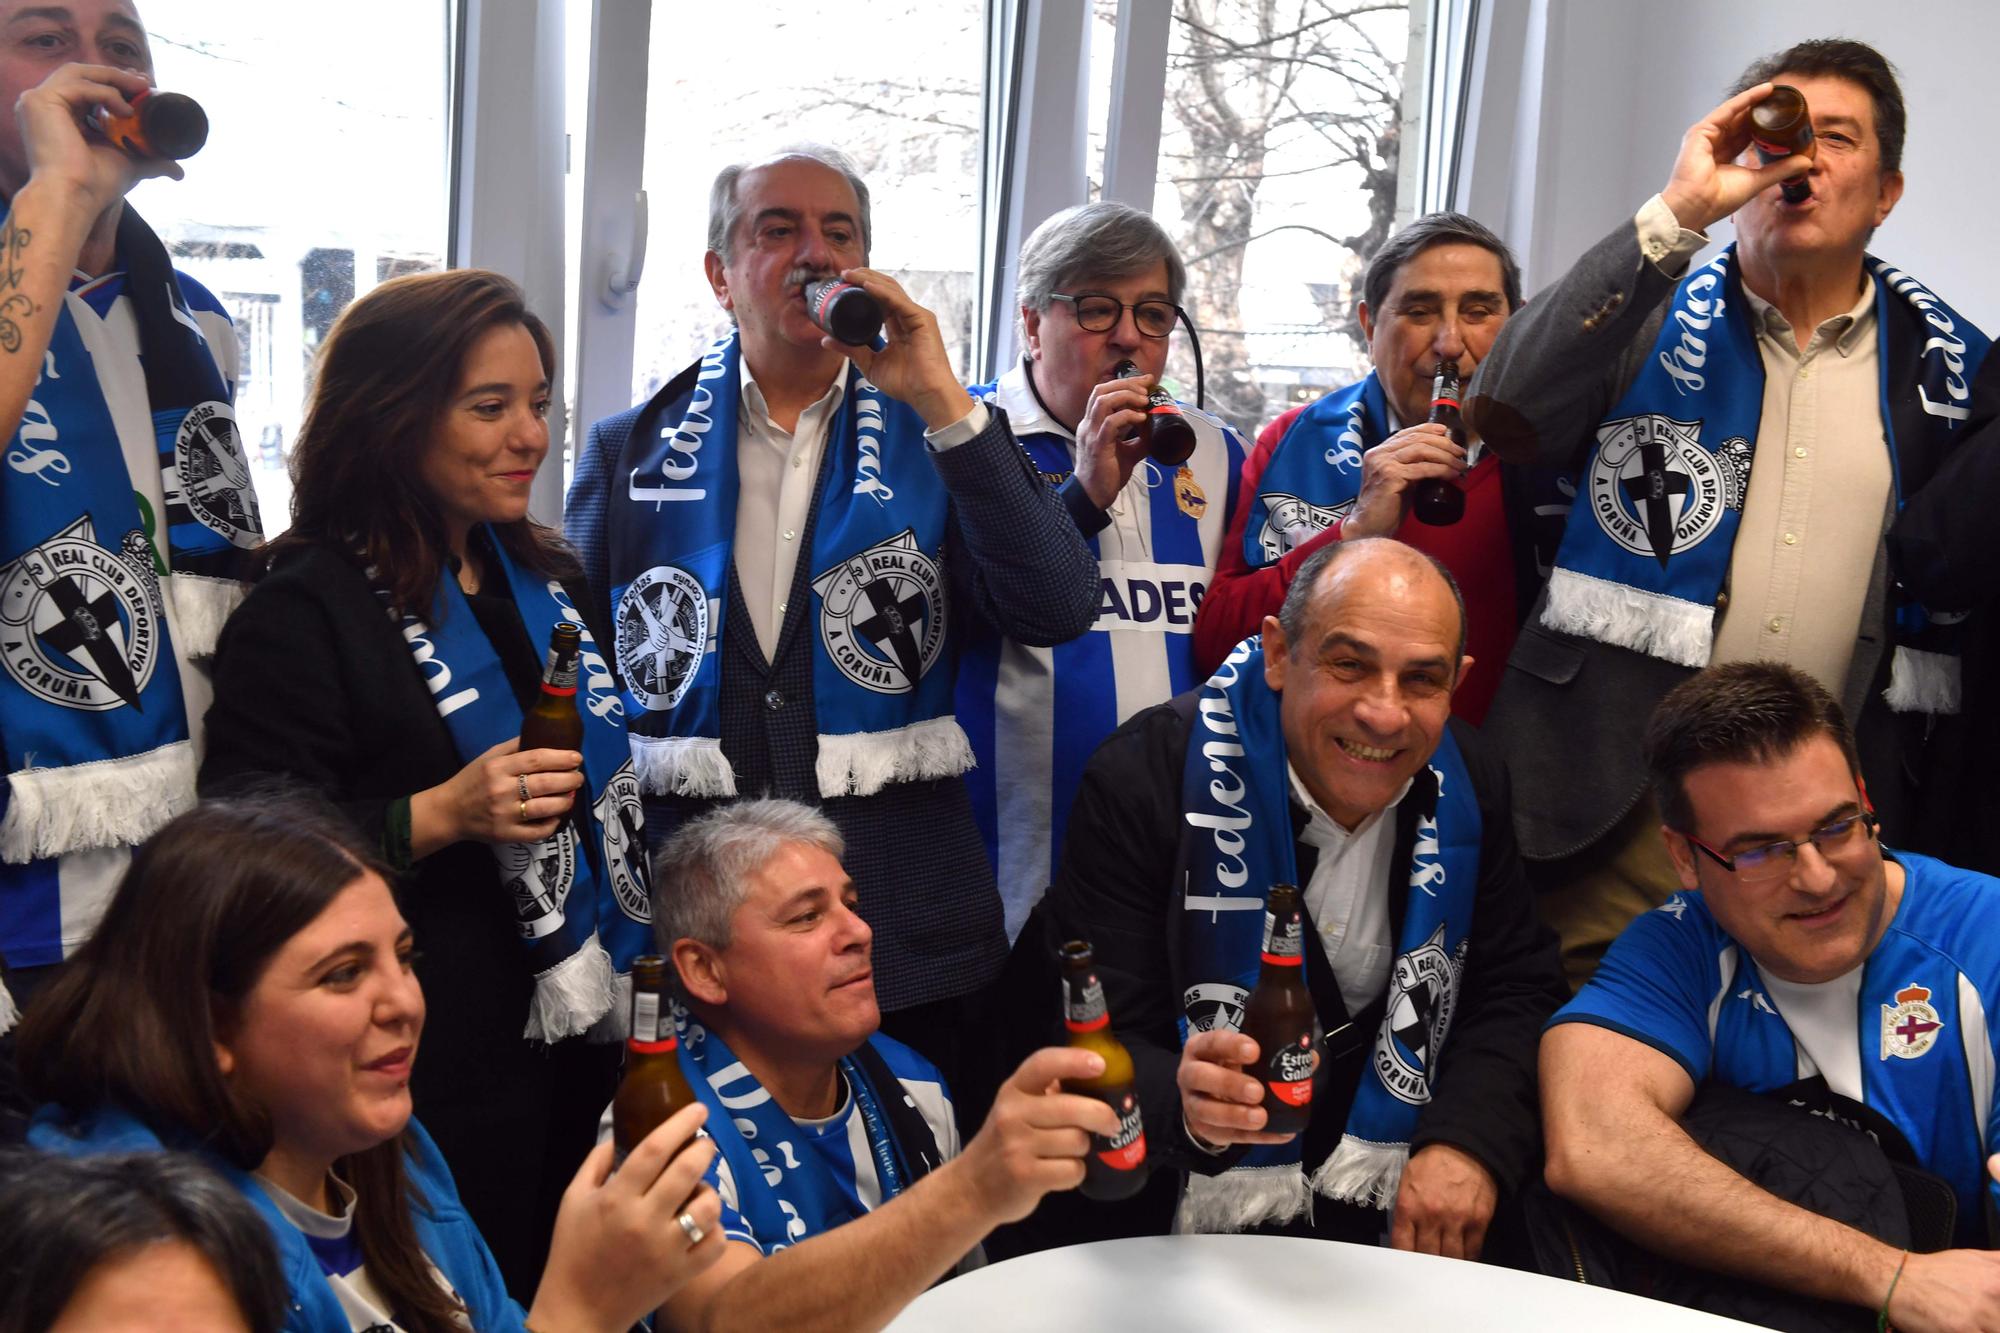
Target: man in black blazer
[1710,531]
[1363,659]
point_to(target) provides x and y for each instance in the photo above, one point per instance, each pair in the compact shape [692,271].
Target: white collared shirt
[1348,896]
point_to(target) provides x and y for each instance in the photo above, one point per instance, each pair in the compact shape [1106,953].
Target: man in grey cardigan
[1744,433]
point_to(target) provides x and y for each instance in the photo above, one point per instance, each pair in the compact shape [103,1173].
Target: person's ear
[718,280]
[1031,332]
[1277,654]
[703,975]
[1367,318]
[1890,194]
[222,1026]
[1682,853]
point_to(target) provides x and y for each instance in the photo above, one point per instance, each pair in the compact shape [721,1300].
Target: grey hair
[701,875]
[1293,614]
[724,212]
[1429,230]
[1100,240]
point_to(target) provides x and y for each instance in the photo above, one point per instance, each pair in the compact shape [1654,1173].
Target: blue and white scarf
[1666,479]
[786,1195]
[1236,801]
[571,903]
[879,615]
[94,727]
[1314,474]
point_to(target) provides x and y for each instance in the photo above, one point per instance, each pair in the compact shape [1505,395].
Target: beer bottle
[1116,1167]
[553,723]
[1438,501]
[850,314]
[653,1087]
[1278,1016]
[1781,127]
[169,125]
[1168,434]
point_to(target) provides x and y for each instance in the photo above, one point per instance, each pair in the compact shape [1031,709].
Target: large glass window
[905,104]
[1278,177]
[326,172]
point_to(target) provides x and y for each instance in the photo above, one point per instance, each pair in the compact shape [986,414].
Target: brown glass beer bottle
[1781,127]
[1117,1166]
[1438,501]
[553,723]
[653,1087]
[1168,434]
[1278,1016]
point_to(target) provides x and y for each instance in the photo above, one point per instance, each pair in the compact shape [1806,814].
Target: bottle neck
[652,1025]
[1083,1004]
[1284,944]
[559,675]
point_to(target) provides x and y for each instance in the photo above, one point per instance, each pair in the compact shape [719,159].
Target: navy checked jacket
[926,887]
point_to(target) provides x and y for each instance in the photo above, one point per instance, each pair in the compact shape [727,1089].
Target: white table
[1212,1284]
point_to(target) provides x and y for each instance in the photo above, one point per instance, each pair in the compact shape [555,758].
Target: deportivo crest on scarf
[1314,475]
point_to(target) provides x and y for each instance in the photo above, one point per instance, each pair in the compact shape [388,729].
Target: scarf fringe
[1669,628]
[1923,682]
[201,606]
[10,1013]
[106,803]
[682,766]
[862,763]
[1241,1198]
[1361,1172]
[572,995]
[616,1024]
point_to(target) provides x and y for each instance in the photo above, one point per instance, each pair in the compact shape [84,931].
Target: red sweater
[1476,550]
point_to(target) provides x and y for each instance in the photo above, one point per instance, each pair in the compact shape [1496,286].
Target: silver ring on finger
[695,1234]
[521,785]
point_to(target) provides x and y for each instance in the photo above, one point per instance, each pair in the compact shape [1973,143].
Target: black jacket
[1118,888]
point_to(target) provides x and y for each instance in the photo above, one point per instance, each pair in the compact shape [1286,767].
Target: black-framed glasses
[1774,860]
[1099,314]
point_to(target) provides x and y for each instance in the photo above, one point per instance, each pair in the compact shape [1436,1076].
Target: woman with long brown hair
[385,659]
[250,998]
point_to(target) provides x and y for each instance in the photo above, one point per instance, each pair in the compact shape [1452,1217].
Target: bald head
[1370,559]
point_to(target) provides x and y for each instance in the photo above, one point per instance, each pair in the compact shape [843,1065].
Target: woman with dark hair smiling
[385,659]
[250,997]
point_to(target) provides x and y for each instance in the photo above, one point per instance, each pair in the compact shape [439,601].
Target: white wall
[1581,104]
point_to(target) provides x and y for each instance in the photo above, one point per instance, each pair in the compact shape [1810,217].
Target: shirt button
[1791,539]
[781,608]
[774,700]
[1799,452]
[798,462]
[1721,601]
[1777,625]
[790,533]
[1805,372]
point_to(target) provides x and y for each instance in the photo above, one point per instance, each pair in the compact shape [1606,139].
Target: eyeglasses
[1099,314]
[1774,860]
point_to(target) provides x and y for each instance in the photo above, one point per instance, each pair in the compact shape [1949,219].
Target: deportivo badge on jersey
[882,615]
[1911,1026]
[80,624]
[661,630]
[1655,490]
[1214,1006]
[211,476]
[539,875]
[1423,989]
[622,818]
[1189,495]
[1291,522]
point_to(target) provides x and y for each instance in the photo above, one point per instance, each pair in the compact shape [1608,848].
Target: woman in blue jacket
[250,997]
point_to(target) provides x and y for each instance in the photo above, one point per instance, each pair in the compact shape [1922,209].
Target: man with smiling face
[1803,960]
[128,498]
[1743,435]
[1324,756]
[791,538]
[856,1195]
[1100,285]
[1348,464]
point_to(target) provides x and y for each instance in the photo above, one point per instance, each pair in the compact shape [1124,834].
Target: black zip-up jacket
[1119,888]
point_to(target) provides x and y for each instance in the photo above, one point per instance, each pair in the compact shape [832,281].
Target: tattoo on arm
[15,304]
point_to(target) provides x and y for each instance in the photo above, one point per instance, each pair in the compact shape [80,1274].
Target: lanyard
[888,1169]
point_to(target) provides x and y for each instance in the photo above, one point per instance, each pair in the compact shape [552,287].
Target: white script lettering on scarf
[1425,868]
[436,674]
[685,437]
[36,425]
[1952,349]
[868,428]
[1346,452]
[1225,831]
[598,682]
[1685,361]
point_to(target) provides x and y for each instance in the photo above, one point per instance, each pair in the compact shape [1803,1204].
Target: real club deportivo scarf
[1315,472]
[879,610]
[1667,477]
[571,902]
[96,734]
[1237,842]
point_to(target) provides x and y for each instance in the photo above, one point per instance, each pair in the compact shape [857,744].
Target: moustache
[801,274]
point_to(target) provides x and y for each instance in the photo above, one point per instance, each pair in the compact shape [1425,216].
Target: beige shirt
[1819,484]
[776,470]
